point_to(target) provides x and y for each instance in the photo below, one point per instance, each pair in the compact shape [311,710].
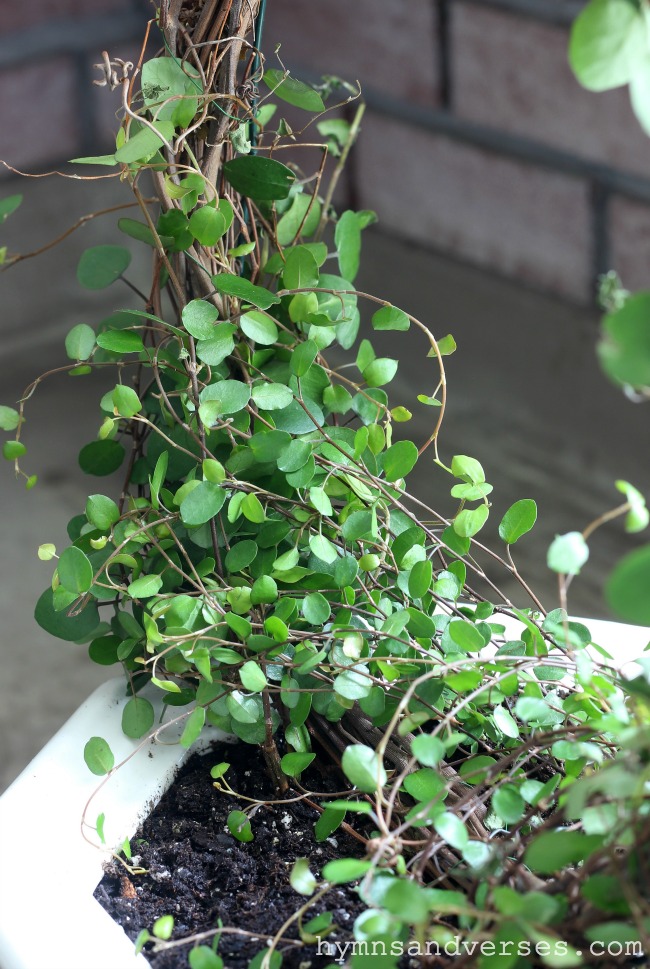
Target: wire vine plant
[265,568]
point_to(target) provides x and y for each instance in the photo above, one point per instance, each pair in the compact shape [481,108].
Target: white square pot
[48,916]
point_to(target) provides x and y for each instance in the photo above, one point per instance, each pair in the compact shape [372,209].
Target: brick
[389,47]
[22,16]
[512,73]
[38,113]
[629,223]
[506,216]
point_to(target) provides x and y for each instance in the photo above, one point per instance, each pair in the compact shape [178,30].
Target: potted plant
[265,572]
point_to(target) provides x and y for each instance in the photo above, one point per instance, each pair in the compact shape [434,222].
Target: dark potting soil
[197,872]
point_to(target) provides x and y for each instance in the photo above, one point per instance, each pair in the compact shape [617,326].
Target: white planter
[48,916]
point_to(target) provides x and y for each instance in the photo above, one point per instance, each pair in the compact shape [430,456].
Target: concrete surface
[526,399]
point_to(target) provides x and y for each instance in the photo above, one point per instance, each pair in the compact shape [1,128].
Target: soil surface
[197,872]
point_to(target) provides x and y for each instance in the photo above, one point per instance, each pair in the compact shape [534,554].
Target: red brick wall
[49,109]
[516,167]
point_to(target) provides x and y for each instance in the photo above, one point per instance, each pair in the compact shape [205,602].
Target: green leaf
[80,342]
[626,589]
[506,722]
[104,650]
[300,269]
[518,520]
[75,571]
[380,371]
[407,900]
[624,350]
[243,289]
[223,397]
[102,265]
[239,826]
[9,418]
[533,709]
[145,587]
[264,590]
[108,160]
[430,751]
[466,635]
[144,143]
[193,727]
[207,225]
[120,341]
[287,561]
[8,205]
[390,318]
[253,509]
[57,623]
[303,216]
[252,677]
[362,767]
[142,232]
[446,346]
[220,345]
[508,803]
[102,512]
[301,878]
[276,628]
[344,870]
[567,553]
[199,318]
[174,227]
[316,609]
[613,935]
[101,457]
[302,357]
[259,327]
[470,521]
[243,250]
[347,238]
[553,850]
[451,829]
[420,579]
[11,450]
[137,717]
[608,42]
[399,459]
[202,504]
[327,823]
[468,469]
[294,764]
[240,555]
[272,396]
[202,957]
[262,960]
[213,470]
[99,824]
[323,549]
[46,552]
[256,177]
[293,91]
[295,456]
[320,500]
[167,77]
[163,927]
[98,756]
[126,402]
[638,516]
